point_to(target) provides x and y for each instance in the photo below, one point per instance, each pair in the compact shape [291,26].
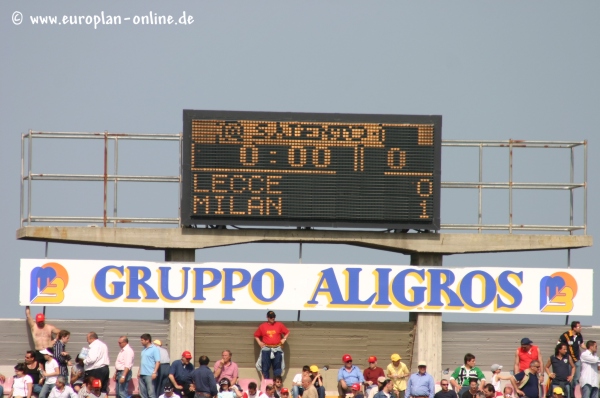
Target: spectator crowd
[50,371]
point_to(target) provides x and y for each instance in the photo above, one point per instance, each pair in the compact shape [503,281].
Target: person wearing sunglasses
[529,385]
[445,392]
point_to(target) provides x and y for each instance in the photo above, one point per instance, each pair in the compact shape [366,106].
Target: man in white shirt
[590,363]
[253,391]
[96,362]
[61,390]
[297,381]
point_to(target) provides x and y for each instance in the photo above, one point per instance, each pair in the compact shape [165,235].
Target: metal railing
[27,178]
[510,185]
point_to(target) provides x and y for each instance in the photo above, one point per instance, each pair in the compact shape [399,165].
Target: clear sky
[494,70]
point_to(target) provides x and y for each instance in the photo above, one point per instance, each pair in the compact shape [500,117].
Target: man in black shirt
[563,369]
[204,381]
[32,369]
[445,392]
[472,391]
[574,341]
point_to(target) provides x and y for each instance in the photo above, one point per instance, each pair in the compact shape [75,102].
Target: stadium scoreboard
[311,169]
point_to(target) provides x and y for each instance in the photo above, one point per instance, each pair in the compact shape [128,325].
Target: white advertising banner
[501,290]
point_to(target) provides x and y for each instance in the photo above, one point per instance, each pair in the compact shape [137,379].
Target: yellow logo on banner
[557,292]
[48,283]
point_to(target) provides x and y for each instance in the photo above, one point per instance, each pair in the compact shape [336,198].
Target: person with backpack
[528,383]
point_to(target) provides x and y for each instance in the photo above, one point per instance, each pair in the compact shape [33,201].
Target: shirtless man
[41,331]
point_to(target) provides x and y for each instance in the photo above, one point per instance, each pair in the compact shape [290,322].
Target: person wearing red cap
[371,374]
[96,390]
[271,336]
[284,393]
[348,375]
[123,366]
[357,390]
[41,332]
[180,375]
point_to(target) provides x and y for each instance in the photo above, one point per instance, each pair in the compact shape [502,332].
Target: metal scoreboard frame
[323,136]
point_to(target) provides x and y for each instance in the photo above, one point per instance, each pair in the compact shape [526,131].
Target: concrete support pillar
[428,339]
[181,320]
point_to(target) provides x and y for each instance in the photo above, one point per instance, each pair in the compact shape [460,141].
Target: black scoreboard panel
[301,169]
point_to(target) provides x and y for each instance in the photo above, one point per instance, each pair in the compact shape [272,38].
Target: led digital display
[302,169]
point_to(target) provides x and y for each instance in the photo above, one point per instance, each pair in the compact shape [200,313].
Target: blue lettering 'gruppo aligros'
[137,285]
[112,291]
[200,286]
[438,288]
[276,285]
[414,288]
[134,283]
[163,283]
[229,275]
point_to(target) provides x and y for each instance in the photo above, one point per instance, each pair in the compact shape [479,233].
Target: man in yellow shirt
[398,373]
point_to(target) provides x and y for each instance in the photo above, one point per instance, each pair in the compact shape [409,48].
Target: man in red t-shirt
[525,354]
[270,336]
[371,374]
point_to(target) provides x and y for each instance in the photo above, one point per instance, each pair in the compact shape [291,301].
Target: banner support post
[181,320]
[428,337]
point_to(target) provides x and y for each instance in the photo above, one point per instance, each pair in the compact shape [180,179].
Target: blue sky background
[493,69]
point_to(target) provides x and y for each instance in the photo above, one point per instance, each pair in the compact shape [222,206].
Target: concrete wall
[15,336]
[310,343]
[496,343]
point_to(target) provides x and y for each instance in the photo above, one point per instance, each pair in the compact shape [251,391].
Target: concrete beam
[181,320]
[200,238]
[428,325]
